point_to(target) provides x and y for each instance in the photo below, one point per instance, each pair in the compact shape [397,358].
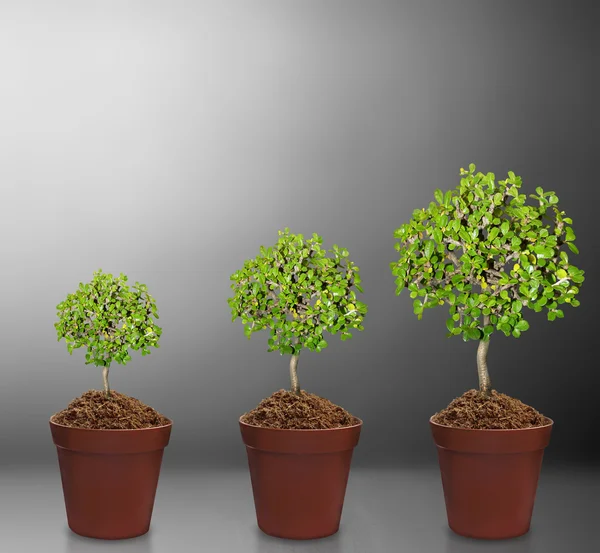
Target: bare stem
[106,384]
[485,384]
[294,375]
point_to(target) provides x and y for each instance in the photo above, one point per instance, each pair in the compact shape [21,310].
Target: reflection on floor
[386,511]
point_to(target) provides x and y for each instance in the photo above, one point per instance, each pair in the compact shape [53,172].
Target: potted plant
[109,445]
[486,252]
[299,445]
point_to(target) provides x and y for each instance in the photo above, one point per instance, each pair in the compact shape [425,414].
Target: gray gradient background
[169,140]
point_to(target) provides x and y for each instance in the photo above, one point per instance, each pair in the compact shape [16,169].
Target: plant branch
[453,258]
[105,378]
[485,385]
[295,389]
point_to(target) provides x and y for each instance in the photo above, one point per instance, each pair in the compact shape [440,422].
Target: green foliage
[487,253]
[298,292]
[109,318]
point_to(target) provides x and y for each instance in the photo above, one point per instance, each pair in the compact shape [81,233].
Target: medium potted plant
[110,445]
[299,445]
[489,254]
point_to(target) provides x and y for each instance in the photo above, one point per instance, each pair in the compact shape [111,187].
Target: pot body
[109,478]
[490,478]
[299,478]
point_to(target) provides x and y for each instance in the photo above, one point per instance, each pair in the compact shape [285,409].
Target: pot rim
[75,428]
[499,430]
[306,430]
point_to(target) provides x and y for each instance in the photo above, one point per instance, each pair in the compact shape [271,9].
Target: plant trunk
[106,384]
[485,384]
[294,375]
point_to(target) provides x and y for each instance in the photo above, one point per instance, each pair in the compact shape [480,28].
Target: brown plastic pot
[299,478]
[109,478]
[490,478]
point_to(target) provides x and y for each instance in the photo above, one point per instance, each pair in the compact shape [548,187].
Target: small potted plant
[109,445]
[489,254]
[299,445]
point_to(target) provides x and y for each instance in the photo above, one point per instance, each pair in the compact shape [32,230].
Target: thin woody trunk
[106,384]
[295,389]
[485,384]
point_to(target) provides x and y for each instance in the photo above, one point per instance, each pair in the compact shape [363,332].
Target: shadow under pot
[299,478]
[490,478]
[109,478]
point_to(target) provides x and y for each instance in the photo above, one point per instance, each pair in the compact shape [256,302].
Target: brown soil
[118,412]
[307,411]
[496,412]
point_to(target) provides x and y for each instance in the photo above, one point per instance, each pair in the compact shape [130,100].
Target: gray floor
[393,511]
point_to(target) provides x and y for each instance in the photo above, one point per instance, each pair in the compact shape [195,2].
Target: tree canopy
[109,318]
[488,253]
[298,290]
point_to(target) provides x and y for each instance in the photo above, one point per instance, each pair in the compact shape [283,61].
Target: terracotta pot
[299,478]
[490,478]
[109,478]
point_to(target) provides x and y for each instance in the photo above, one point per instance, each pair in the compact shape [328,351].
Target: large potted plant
[490,255]
[110,445]
[299,445]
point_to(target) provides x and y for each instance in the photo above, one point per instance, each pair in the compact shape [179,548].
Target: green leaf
[573,247]
[570,235]
[522,325]
[439,196]
[474,333]
[561,273]
[543,252]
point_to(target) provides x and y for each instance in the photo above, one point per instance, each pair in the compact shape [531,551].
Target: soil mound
[496,412]
[306,411]
[95,411]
